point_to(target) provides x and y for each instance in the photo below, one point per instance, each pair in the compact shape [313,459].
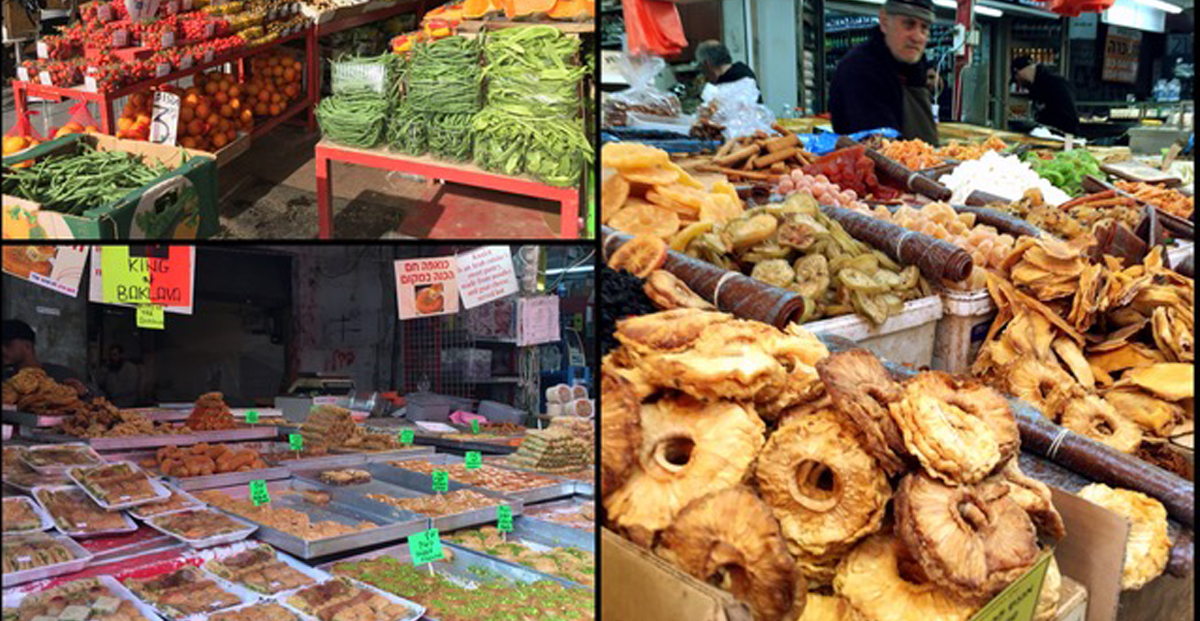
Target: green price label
[425,547]
[441,481]
[258,492]
[504,518]
[252,417]
[407,436]
[474,459]
[150,316]
[474,425]
[295,442]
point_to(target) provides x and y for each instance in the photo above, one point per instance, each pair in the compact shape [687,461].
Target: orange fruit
[226,111]
[275,109]
[143,119]
[192,98]
[247,115]
[264,96]
[296,66]
[231,134]
[124,123]
[221,97]
[210,88]
[218,140]
[212,120]
[260,109]
[195,127]
[234,91]
[236,105]
[202,110]
[276,98]
[187,142]
[186,114]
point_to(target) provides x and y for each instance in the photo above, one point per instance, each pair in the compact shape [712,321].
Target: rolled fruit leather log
[937,260]
[740,295]
[900,174]
[1003,222]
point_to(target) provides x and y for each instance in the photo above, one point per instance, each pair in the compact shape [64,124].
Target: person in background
[943,96]
[1053,104]
[881,83]
[718,67]
[120,378]
[20,352]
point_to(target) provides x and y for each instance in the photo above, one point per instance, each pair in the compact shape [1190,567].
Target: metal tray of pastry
[245,595]
[415,610]
[532,537]
[582,487]
[219,615]
[247,529]
[160,491]
[81,560]
[129,527]
[336,511]
[14,598]
[29,419]
[220,554]
[415,480]
[225,479]
[141,511]
[94,458]
[339,459]
[129,443]
[27,480]
[551,526]
[356,495]
[494,447]
[44,521]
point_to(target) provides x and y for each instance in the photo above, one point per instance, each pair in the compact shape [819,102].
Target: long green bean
[444,76]
[355,119]
[72,183]
[450,136]
[407,131]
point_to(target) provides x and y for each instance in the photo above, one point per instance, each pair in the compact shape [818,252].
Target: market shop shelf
[415,480]
[431,168]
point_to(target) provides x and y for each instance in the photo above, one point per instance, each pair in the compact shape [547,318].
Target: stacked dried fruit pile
[753,459]
[987,246]
[1076,221]
[915,154]
[211,413]
[1104,350]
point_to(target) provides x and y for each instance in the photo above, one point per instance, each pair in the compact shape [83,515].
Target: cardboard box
[17,23]
[181,204]
[1093,552]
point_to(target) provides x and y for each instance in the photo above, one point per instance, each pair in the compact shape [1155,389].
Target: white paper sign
[120,38]
[54,267]
[426,287]
[165,120]
[96,288]
[104,12]
[45,78]
[486,274]
[538,320]
[89,84]
[43,50]
[22,74]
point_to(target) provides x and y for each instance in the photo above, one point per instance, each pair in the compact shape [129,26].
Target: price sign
[162,69]
[165,119]
[43,50]
[425,547]
[252,417]
[407,436]
[504,519]
[104,12]
[120,38]
[475,425]
[186,5]
[45,78]
[258,492]
[185,62]
[441,481]
[474,460]
[150,316]
[22,74]
[295,442]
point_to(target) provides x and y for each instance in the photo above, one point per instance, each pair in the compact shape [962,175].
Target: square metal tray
[96,459]
[245,595]
[582,488]
[248,528]
[417,611]
[336,511]
[560,530]
[14,598]
[224,479]
[356,495]
[160,491]
[418,481]
[81,560]
[129,525]
[141,442]
[194,503]
[340,460]
[219,554]
[44,520]
[531,535]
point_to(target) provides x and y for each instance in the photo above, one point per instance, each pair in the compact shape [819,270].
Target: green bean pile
[444,76]
[511,141]
[407,131]
[354,119]
[350,73]
[73,183]
[532,67]
[500,141]
[450,136]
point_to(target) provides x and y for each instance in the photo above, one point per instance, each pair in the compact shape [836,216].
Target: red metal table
[462,173]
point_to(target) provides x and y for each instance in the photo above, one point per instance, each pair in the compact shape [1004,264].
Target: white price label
[89,84]
[104,12]
[22,74]
[209,30]
[208,56]
[185,62]
[162,69]
[44,77]
[172,7]
[165,118]
[43,50]
[186,5]
[120,38]
[90,70]
[168,39]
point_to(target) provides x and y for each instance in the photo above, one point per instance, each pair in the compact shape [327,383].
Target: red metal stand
[465,174]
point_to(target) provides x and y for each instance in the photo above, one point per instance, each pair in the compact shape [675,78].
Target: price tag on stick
[475,425]
[441,481]
[258,492]
[473,460]
[504,520]
[295,442]
[252,417]
[407,436]
[425,547]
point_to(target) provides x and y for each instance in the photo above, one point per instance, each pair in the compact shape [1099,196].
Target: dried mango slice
[613,194]
[653,175]
[632,155]
[646,219]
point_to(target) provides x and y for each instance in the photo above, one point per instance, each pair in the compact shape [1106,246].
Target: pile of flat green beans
[73,183]
[450,136]
[408,131]
[444,76]
[354,118]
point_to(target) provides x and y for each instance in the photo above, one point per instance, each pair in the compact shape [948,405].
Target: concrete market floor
[269,192]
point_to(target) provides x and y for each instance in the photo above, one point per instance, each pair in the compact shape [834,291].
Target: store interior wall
[775,53]
[59,321]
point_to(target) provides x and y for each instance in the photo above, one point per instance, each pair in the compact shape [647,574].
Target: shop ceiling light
[988,11]
[1160,5]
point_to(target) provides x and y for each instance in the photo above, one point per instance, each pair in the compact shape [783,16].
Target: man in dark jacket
[881,83]
[1053,104]
[718,66]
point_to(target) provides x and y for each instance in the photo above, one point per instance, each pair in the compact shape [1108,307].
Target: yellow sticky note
[150,316]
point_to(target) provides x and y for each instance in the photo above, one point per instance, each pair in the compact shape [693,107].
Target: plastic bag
[653,27]
[826,142]
[735,107]
[21,135]
[641,96]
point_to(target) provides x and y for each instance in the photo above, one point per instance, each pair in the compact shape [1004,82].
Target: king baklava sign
[427,287]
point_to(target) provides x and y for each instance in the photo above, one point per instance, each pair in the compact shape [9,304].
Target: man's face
[905,36]
[710,71]
[16,352]
[1025,76]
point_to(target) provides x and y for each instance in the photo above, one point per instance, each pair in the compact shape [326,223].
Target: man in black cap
[20,352]
[881,83]
[1053,104]
[718,66]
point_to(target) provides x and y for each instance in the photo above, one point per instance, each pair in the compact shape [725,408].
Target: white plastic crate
[966,318]
[906,338]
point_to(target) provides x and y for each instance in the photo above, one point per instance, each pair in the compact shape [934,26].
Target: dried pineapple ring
[950,443]
[869,578]
[829,608]
[658,198]
[825,489]
[1090,416]
[685,178]
[972,540]
[683,194]
[640,256]
[646,219]
[1147,548]
[730,538]
[689,448]
[719,208]
[1034,497]
[620,430]
[1032,381]
[652,175]
[669,292]
[978,400]
[862,389]
[613,194]
[632,155]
